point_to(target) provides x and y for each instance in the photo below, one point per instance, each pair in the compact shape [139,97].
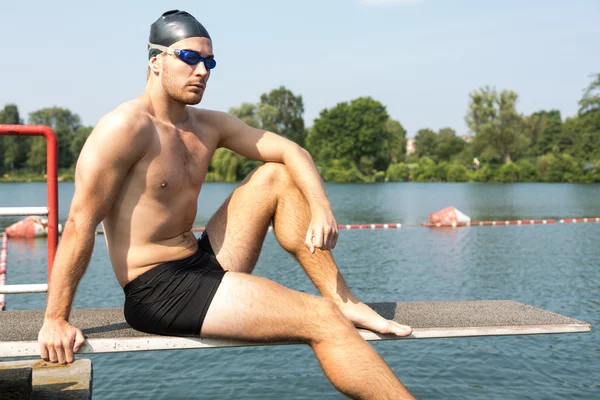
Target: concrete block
[54,381]
[15,383]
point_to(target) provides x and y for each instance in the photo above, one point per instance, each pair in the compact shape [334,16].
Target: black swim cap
[172,27]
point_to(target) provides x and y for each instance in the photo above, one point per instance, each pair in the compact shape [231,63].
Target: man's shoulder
[210,116]
[129,118]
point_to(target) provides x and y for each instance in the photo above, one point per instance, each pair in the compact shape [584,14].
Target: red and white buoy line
[513,222]
[3,269]
[340,227]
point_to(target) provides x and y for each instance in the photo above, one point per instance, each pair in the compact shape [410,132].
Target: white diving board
[106,330]
[28,288]
[17,211]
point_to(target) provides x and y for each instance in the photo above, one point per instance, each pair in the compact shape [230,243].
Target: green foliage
[224,165]
[10,115]
[562,168]
[458,173]
[379,176]
[508,173]
[79,137]
[426,143]
[593,172]
[448,144]
[591,98]
[497,126]
[425,171]
[397,172]
[544,129]
[349,132]
[247,114]
[394,149]
[342,171]
[357,141]
[284,114]
[64,124]
[441,171]
[13,149]
[484,174]
[527,171]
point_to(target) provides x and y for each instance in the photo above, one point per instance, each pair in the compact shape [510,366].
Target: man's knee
[271,174]
[329,323]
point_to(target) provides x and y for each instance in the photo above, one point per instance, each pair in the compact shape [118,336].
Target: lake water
[555,267]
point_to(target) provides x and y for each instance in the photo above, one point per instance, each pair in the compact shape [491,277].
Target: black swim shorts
[172,298]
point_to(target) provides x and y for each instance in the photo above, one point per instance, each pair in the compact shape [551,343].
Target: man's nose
[201,69]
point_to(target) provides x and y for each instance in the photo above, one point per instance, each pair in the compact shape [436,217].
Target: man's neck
[164,108]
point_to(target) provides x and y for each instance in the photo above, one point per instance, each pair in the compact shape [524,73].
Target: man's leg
[238,228]
[252,308]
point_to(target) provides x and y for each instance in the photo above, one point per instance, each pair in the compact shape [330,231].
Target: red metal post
[51,178]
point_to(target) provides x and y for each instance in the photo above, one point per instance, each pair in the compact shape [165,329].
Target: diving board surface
[106,330]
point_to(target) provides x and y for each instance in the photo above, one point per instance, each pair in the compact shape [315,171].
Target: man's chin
[193,100]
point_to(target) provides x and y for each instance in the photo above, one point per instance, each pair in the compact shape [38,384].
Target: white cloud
[388,2]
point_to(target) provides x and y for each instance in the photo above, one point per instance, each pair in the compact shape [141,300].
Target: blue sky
[419,58]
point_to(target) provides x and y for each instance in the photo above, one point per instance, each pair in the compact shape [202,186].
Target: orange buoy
[448,216]
[30,227]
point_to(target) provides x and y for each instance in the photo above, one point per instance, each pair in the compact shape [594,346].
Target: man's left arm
[262,145]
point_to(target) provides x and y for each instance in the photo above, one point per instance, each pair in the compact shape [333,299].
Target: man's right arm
[112,148]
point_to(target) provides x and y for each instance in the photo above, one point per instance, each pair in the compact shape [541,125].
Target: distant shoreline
[42,179]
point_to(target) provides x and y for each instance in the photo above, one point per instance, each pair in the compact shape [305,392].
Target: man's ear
[155,64]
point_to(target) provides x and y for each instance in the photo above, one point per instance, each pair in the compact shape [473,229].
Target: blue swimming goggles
[187,56]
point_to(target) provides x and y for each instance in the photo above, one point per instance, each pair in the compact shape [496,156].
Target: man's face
[183,82]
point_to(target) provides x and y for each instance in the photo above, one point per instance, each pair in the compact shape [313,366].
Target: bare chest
[176,162]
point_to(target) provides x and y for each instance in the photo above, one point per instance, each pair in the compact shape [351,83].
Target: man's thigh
[248,307]
[238,228]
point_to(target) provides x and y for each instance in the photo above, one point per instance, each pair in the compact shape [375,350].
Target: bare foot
[363,316]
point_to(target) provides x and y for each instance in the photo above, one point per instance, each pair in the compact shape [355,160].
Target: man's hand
[322,232]
[59,340]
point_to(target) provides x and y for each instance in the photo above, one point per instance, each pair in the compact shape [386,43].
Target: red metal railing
[51,178]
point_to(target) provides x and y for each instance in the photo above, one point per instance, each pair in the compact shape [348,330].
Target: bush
[397,172]
[593,173]
[548,168]
[425,170]
[508,173]
[441,171]
[457,173]
[483,174]
[341,171]
[379,176]
[572,172]
[563,168]
[529,172]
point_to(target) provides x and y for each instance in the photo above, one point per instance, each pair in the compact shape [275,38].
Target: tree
[288,119]
[587,124]
[544,129]
[426,143]
[268,117]
[394,147]
[250,114]
[425,171]
[448,144]
[397,172]
[13,149]
[79,137]
[494,119]
[247,114]
[10,115]
[64,124]
[591,97]
[349,131]
[457,173]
